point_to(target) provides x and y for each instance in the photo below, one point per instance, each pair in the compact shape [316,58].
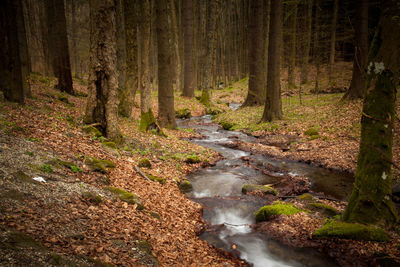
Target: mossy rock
[63,98]
[183,113]
[355,231]
[145,253]
[205,98]
[157,179]
[21,176]
[67,164]
[192,159]
[98,165]
[185,186]
[144,163]
[214,111]
[226,125]
[111,147]
[91,130]
[324,209]
[262,188]
[278,208]
[311,132]
[92,197]
[125,196]
[18,240]
[307,197]
[313,137]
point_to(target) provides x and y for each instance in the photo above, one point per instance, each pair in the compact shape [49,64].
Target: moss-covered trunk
[371,201]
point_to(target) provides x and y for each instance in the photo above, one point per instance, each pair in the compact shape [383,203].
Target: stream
[218,190]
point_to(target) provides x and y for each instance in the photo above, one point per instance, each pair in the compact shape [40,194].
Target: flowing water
[218,190]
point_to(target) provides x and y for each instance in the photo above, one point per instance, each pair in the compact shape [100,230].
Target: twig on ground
[141,173]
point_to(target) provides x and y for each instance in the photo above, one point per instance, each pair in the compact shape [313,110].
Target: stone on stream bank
[323,208]
[247,188]
[355,231]
[126,196]
[277,208]
[185,186]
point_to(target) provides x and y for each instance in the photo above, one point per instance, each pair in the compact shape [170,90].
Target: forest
[199,133]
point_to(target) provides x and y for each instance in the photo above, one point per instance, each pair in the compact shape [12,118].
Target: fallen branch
[141,173]
[327,198]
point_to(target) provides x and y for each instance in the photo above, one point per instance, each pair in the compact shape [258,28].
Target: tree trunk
[23,51]
[188,89]
[59,52]
[370,201]
[166,110]
[127,96]
[356,89]
[292,57]
[121,50]
[11,73]
[175,31]
[317,56]
[306,55]
[102,103]
[146,114]
[333,40]
[267,4]
[255,94]
[273,103]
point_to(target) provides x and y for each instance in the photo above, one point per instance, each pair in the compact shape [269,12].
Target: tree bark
[121,51]
[317,56]
[306,55]
[292,57]
[357,86]
[175,31]
[59,52]
[273,102]
[333,40]
[127,96]
[166,111]
[370,201]
[146,114]
[255,94]
[102,103]
[11,73]
[188,88]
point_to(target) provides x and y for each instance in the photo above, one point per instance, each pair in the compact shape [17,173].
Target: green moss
[262,188]
[111,145]
[145,251]
[226,125]
[315,136]
[205,98]
[20,175]
[191,159]
[307,197]
[144,163]
[311,132]
[93,131]
[278,208]
[355,231]
[147,121]
[157,179]
[92,197]
[214,111]
[62,97]
[185,186]
[46,168]
[324,209]
[99,165]
[17,240]
[183,113]
[29,153]
[70,165]
[125,196]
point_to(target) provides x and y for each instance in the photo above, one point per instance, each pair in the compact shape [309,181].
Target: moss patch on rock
[355,231]
[278,208]
[307,197]
[125,196]
[192,159]
[17,240]
[185,186]
[111,147]
[262,188]
[144,163]
[311,132]
[145,253]
[226,125]
[91,130]
[183,113]
[92,197]
[157,179]
[324,209]
[99,165]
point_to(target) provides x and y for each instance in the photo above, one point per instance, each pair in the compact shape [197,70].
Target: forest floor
[77,216]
